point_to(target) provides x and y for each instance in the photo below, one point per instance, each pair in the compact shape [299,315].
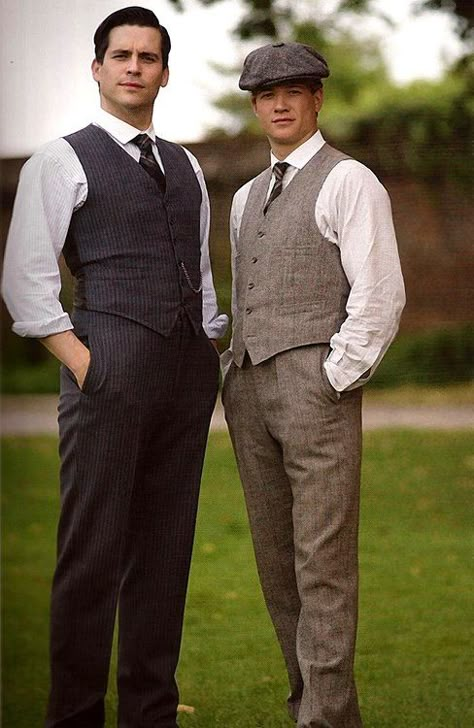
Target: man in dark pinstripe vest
[317,296]
[139,378]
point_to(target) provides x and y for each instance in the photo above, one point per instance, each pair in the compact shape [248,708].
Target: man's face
[287,114]
[131,73]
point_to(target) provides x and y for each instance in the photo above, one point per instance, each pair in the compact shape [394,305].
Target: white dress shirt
[353,212]
[52,186]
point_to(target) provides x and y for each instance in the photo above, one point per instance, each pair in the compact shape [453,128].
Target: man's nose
[133,65]
[281,103]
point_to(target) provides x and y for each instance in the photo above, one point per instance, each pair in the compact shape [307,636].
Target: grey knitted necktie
[148,161]
[279,170]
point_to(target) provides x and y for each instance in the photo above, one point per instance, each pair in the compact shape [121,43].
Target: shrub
[433,357]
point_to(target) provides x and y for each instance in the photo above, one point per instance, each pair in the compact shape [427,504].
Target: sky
[46,50]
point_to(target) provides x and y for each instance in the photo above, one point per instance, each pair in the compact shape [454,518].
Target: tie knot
[143,141]
[279,170]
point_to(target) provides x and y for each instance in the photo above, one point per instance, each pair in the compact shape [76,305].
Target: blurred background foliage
[270,17]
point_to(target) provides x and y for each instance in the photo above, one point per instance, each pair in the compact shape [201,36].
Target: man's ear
[254,104]
[95,68]
[165,77]
[318,98]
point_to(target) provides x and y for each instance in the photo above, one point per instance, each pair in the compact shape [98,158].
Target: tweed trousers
[132,446]
[298,449]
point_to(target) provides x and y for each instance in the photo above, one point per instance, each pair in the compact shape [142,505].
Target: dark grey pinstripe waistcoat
[125,245]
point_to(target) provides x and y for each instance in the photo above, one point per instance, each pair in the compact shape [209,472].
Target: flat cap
[281,62]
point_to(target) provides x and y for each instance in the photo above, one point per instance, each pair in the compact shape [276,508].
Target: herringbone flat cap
[280,63]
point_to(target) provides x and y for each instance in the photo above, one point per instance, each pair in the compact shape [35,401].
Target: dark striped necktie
[279,170]
[148,161]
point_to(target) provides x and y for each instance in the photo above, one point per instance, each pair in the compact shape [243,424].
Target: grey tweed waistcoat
[127,244]
[291,289]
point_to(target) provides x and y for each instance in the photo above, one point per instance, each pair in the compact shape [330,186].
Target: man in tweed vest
[130,213]
[317,297]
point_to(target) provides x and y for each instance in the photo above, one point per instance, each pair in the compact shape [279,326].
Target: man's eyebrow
[127,51]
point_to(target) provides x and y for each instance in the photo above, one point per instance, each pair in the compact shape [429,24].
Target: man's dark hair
[133,15]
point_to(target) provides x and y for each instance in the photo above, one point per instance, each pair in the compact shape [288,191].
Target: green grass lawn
[413,662]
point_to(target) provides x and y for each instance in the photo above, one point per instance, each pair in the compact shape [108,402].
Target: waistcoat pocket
[301,279]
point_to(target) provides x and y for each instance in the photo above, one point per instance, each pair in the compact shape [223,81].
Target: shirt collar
[302,154]
[120,130]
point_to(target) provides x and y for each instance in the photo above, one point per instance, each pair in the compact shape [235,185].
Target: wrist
[81,365]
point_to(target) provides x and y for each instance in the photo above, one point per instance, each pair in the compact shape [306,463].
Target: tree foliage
[463,10]
[272,18]
[268,17]
[426,128]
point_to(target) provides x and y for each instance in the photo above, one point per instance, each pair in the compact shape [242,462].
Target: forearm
[214,323]
[362,227]
[70,351]
[52,185]
[374,309]
[358,348]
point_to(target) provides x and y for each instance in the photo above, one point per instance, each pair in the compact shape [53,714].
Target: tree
[266,17]
[463,10]
[272,18]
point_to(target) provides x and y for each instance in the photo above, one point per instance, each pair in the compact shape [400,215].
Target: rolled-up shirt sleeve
[48,193]
[214,323]
[360,222]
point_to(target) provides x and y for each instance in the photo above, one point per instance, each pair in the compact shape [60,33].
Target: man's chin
[282,138]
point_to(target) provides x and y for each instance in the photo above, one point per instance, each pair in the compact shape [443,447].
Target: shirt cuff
[40,329]
[216,328]
[342,381]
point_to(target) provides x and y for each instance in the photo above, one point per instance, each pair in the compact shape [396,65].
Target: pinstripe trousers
[298,450]
[132,445]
